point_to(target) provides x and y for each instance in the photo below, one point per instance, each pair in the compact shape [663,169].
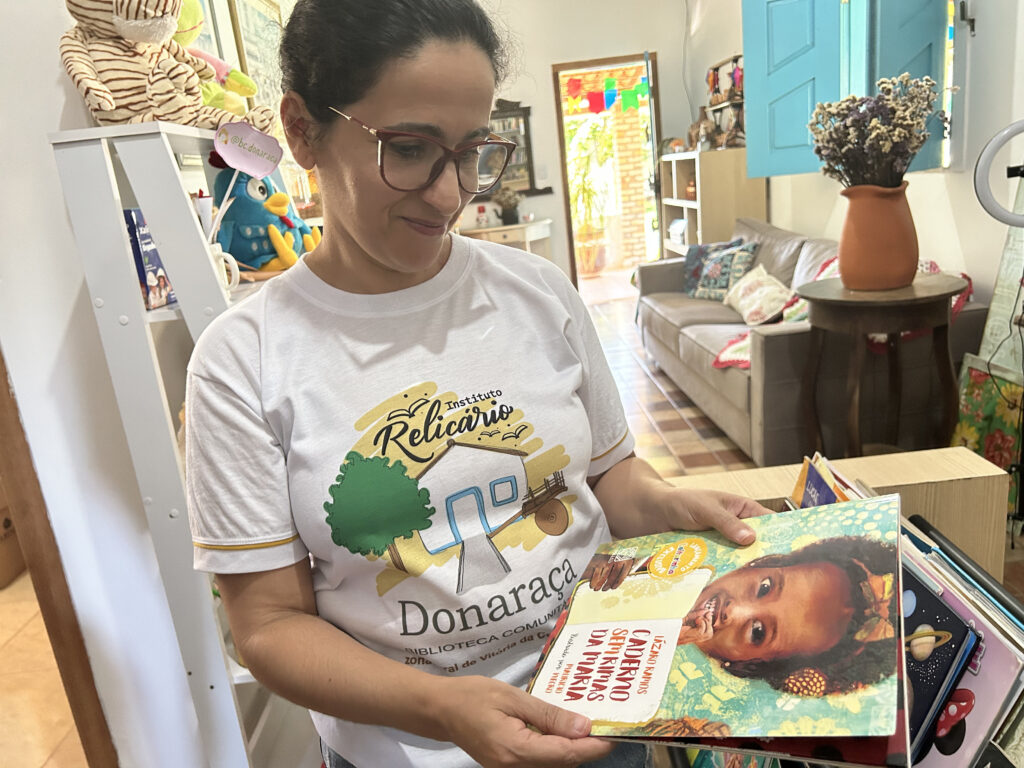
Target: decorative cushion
[780,248]
[722,270]
[813,255]
[797,308]
[758,296]
[695,257]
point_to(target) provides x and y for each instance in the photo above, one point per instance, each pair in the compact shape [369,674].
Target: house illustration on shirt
[468,515]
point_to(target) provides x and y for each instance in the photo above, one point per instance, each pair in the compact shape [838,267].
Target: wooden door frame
[42,558]
[611,61]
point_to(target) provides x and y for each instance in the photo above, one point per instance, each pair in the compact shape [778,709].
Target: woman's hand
[637,501]
[497,725]
[700,510]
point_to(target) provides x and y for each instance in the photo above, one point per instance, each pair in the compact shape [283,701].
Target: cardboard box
[11,561]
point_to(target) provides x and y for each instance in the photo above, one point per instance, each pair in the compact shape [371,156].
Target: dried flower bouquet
[873,139]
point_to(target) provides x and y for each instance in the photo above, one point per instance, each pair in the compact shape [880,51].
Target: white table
[530,236]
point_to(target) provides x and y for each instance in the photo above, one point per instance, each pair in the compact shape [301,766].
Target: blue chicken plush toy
[260,228]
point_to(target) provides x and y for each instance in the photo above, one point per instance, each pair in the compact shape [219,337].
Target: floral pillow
[758,296]
[696,255]
[722,270]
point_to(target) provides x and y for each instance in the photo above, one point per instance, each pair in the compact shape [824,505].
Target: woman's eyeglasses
[410,162]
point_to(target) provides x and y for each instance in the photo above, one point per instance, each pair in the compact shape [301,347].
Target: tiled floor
[36,729]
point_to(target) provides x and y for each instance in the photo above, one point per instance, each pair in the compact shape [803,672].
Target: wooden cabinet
[531,236]
[710,190]
[957,491]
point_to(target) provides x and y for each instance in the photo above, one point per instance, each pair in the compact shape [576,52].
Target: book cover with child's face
[796,635]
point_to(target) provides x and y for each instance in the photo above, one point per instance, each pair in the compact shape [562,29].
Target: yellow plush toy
[122,59]
[230,86]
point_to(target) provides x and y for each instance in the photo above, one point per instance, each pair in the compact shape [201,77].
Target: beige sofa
[760,408]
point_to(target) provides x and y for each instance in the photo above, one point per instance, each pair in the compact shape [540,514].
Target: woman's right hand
[500,725]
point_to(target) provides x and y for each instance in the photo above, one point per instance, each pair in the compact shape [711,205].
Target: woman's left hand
[700,510]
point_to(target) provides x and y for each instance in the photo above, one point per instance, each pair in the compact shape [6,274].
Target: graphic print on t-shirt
[437,476]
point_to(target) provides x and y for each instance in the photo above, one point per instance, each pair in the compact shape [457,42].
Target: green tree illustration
[373,503]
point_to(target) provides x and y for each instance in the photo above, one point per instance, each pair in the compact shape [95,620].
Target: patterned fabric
[695,258]
[989,420]
[722,270]
[736,353]
[758,296]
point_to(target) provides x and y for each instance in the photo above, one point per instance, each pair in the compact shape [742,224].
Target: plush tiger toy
[122,59]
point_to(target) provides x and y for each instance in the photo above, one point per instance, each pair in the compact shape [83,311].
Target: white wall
[49,340]
[952,227]
[551,32]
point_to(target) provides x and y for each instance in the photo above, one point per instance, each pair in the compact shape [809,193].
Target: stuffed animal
[121,58]
[260,228]
[704,129]
[230,86]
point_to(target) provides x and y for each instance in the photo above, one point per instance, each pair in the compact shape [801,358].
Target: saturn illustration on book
[924,640]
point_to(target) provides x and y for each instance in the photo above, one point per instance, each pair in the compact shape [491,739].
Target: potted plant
[867,143]
[590,148]
[508,200]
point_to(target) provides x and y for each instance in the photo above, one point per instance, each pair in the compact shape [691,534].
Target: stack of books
[846,635]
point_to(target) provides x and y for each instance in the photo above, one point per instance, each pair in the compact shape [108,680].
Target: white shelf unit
[723,194]
[103,171]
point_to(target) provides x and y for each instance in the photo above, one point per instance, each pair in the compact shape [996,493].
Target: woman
[820,620]
[419,416]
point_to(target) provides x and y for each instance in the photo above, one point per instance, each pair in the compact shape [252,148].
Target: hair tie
[878,592]
[806,682]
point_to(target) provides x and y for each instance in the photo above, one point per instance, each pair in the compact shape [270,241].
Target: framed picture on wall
[257,26]
[207,39]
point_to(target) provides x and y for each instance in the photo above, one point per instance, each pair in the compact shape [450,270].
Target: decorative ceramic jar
[878,244]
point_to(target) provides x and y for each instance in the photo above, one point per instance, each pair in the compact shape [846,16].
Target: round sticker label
[678,559]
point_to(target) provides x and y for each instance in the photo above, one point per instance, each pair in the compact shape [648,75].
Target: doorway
[608,116]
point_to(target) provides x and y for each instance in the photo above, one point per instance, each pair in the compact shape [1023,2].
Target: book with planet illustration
[684,637]
[939,645]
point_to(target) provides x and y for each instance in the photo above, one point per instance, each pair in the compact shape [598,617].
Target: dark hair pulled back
[333,51]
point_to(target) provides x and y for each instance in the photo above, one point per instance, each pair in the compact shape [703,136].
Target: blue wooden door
[910,36]
[792,62]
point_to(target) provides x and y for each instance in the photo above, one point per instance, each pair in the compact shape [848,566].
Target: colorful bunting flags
[599,101]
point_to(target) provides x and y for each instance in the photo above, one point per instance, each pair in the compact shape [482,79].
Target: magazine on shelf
[797,635]
[153,281]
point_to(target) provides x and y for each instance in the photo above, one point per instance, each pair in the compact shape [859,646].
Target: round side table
[925,304]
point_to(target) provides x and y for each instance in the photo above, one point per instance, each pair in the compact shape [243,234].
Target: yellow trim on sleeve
[264,545]
[624,436]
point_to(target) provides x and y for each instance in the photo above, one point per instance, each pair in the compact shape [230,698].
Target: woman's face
[771,613]
[379,239]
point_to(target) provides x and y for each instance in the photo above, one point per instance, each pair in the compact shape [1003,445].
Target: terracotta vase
[878,244]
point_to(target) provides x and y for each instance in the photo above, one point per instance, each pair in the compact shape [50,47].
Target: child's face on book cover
[772,613]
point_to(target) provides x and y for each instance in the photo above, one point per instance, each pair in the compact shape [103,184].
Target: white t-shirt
[428,447]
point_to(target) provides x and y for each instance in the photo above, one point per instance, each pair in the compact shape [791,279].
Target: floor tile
[35,717]
[14,617]
[18,591]
[69,753]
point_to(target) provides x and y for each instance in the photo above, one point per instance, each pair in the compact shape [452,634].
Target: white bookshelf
[103,171]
